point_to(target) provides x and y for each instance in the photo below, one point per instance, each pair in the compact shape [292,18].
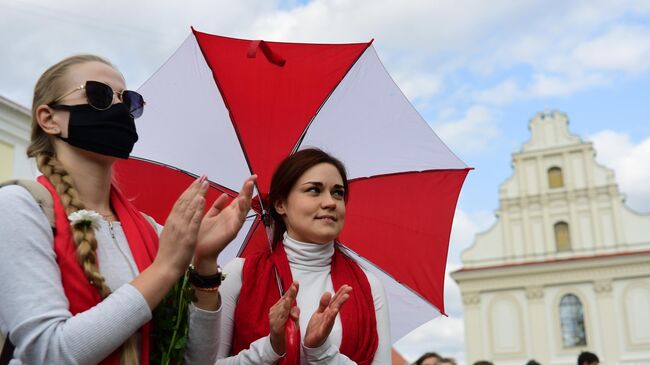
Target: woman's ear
[280,207]
[46,120]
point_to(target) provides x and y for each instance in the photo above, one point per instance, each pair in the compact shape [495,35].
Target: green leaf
[171,324]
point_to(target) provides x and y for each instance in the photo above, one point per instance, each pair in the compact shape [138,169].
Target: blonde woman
[83,293]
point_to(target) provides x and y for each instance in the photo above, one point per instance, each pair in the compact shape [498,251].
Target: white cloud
[548,85]
[562,50]
[414,25]
[542,85]
[138,36]
[418,86]
[505,92]
[630,162]
[423,43]
[470,134]
[463,232]
[623,48]
[444,335]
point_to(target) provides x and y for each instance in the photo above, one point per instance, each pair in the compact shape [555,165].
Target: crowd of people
[433,358]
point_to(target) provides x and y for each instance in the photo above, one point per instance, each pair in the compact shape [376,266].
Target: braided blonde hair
[49,87]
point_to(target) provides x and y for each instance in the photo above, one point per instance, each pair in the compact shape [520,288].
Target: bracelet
[210,290]
[205,282]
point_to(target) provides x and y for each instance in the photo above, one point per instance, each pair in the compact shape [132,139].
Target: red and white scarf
[259,292]
[143,242]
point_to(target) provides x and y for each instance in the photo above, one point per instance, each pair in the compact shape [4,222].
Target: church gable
[559,202]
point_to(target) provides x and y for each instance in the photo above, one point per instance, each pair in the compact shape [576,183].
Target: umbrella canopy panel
[186,124]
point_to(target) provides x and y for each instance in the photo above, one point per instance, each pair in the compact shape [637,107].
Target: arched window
[562,237]
[555,179]
[572,322]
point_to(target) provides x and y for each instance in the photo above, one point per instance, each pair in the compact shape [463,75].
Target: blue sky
[476,70]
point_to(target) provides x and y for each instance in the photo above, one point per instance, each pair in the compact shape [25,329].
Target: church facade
[566,266]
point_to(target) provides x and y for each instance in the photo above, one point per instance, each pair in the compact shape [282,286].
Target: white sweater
[33,306]
[310,266]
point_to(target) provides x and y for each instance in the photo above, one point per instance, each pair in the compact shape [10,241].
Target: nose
[328,201]
[117,97]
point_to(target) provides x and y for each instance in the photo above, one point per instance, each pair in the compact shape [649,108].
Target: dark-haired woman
[307,201]
[83,293]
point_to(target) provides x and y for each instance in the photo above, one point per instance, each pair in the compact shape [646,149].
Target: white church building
[566,266]
[15,124]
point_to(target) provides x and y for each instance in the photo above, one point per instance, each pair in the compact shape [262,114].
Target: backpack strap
[42,197]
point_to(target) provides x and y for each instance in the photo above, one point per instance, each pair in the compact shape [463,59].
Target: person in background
[483,362]
[429,358]
[447,361]
[587,358]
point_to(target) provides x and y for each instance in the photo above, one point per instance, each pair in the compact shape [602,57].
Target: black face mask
[109,132]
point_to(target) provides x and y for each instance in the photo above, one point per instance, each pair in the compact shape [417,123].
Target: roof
[14,105]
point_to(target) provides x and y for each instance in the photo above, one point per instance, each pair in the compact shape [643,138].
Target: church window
[555,179]
[562,237]
[572,321]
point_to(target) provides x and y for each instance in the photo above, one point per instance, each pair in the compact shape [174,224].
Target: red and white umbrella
[230,108]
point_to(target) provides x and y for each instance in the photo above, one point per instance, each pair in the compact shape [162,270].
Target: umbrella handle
[273,57]
[292,343]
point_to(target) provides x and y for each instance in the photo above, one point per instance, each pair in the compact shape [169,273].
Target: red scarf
[143,241]
[259,292]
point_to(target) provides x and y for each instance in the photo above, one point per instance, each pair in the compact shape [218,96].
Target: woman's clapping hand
[321,322]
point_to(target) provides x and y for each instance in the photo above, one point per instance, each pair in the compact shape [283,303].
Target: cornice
[574,147]
[572,272]
[559,194]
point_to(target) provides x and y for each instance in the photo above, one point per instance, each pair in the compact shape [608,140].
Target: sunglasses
[100,97]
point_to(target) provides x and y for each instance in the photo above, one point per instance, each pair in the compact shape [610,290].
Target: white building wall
[14,138]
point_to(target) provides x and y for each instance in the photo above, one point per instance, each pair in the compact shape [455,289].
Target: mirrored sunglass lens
[99,94]
[134,102]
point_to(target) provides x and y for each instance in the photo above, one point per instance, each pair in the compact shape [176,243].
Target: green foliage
[171,324]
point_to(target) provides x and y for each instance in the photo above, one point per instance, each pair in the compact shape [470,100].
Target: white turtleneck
[310,266]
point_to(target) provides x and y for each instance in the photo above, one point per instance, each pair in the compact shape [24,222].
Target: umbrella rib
[213,184]
[348,250]
[408,172]
[230,114]
[249,234]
